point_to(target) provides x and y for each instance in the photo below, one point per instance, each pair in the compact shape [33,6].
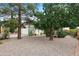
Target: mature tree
[53,18]
[19,20]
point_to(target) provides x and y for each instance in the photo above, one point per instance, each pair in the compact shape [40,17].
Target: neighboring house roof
[23,17]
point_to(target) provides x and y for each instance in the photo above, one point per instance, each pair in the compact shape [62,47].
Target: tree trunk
[29,29]
[19,21]
[11,14]
[51,34]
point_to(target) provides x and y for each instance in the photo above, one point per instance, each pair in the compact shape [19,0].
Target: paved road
[38,46]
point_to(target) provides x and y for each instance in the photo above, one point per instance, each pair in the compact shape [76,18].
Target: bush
[30,32]
[72,32]
[6,33]
[12,24]
[62,34]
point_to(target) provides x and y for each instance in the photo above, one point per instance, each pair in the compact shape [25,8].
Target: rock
[68,36]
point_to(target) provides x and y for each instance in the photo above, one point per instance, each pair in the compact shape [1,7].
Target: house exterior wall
[25,31]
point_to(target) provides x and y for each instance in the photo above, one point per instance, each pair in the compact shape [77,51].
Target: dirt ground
[39,46]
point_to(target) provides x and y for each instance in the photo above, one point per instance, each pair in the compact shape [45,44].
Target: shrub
[30,32]
[72,32]
[6,33]
[12,24]
[62,34]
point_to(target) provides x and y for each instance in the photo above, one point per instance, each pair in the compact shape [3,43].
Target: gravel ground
[38,46]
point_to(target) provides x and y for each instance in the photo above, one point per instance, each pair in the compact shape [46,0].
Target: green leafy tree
[74,14]
[12,24]
[53,18]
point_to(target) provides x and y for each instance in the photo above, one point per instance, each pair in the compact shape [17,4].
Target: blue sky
[40,7]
